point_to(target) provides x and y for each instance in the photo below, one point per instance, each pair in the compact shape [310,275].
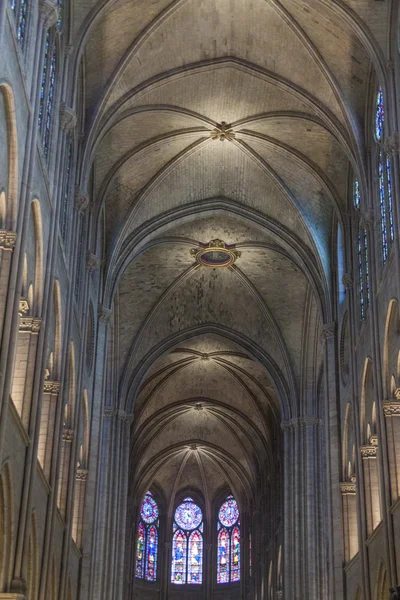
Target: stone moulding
[7,239]
[347,488]
[391,408]
[31,324]
[51,387]
[368,451]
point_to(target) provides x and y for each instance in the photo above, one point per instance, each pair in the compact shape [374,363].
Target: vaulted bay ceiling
[230,120]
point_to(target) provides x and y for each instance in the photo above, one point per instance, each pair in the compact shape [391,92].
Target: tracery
[187,544]
[147,539]
[228,566]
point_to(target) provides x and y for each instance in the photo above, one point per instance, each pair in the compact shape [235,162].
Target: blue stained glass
[188,515]
[382,203]
[21,24]
[379,116]
[147,540]
[366,262]
[44,79]
[361,274]
[149,511]
[223,556]
[60,20]
[235,555]
[390,197]
[13,6]
[151,554]
[179,555]
[140,545]
[195,566]
[228,555]
[49,104]
[229,512]
[187,544]
[356,194]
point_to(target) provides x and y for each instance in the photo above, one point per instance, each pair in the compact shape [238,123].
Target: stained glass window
[379,116]
[362,255]
[356,193]
[47,90]
[20,10]
[147,540]
[187,544]
[66,190]
[60,20]
[228,552]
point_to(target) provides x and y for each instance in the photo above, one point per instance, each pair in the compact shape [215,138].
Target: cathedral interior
[199,300]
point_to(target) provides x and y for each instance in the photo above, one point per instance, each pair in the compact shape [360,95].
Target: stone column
[63,477]
[332,430]
[79,505]
[371,485]
[7,243]
[391,409]
[47,425]
[350,529]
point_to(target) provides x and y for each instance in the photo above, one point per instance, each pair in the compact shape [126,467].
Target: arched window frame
[230,533]
[362,253]
[20,10]
[189,576]
[48,85]
[147,535]
[67,188]
[384,177]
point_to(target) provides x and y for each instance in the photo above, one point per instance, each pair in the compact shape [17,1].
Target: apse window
[187,544]
[228,567]
[147,539]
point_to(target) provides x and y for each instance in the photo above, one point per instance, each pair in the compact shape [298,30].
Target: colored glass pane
[390,197]
[356,194]
[379,116]
[235,554]
[179,552]
[43,82]
[60,20]
[366,263]
[382,204]
[140,544]
[188,515]
[151,554]
[67,183]
[361,274]
[149,510]
[195,563]
[229,512]
[21,23]
[50,102]
[223,557]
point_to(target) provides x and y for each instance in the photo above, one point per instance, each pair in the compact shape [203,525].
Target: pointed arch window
[66,189]
[147,539]
[20,10]
[362,256]
[187,544]
[228,552]
[47,89]
[384,179]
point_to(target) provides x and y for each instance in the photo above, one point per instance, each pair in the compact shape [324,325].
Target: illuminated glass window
[20,10]
[47,90]
[147,540]
[187,544]
[228,550]
[66,189]
[362,256]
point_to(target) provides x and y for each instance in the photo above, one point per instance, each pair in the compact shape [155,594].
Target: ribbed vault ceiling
[209,357]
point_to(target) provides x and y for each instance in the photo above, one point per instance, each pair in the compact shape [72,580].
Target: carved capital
[68,435]
[347,488]
[7,239]
[368,451]
[81,474]
[92,262]
[48,12]
[104,314]
[51,387]
[67,118]
[31,324]
[397,393]
[391,408]
[392,144]
[328,330]
[23,308]
[373,440]
[123,416]
[81,200]
[347,281]
[109,412]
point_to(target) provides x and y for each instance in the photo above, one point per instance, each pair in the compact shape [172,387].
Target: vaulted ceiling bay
[232,122]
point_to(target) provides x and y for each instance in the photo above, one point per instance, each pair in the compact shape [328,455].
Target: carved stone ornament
[109,412]
[68,435]
[67,118]
[48,12]
[104,314]
[373,440]
[391,408]
[222,131]
[347,488]
[368,451]
[215,254]
[347,281]
[397,393]
[81,200]
[92,262]
[31,324]
[198,406]
[51,387]
[23,308]
[81,474]
[328,330]
[7,239]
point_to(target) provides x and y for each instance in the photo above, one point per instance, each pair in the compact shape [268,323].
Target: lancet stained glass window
[47,90]
[362,255]
[228,551]
[147,540]
[20,10]
[66,189]
[187,544]
[384,179]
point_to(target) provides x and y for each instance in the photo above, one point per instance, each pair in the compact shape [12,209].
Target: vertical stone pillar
[333,455]
[47,425]
[371,485]
[350,528]
[7,243]
[391,409]
[79,505]
[66,448]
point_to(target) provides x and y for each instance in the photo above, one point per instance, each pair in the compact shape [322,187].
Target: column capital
[109,412]
[7,239]
[48,12]
[347,281]
[92,262]
[328,330]
[81,474]
[368,451]
[67,118]
[31,324]
[51,387]
[348,488]
[23,306]
[81,200]
[104,313]
[68,435]
[367,220]
[391,408]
